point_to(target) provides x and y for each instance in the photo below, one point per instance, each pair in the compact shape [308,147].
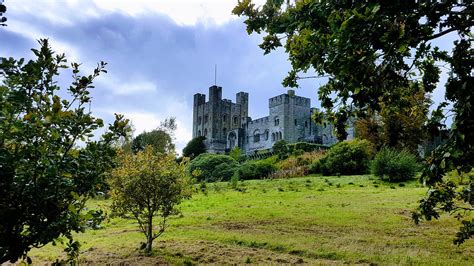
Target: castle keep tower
[218,118]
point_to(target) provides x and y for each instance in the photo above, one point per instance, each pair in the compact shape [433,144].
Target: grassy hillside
[349,219]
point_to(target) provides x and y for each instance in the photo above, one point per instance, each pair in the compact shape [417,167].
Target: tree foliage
[195,147]
[370,51]
[161,139]
[3,9]
[45,178]
[402,126]
[147,184]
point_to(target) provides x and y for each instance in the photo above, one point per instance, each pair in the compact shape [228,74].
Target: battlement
[199,99]
[288,98]
[265,119]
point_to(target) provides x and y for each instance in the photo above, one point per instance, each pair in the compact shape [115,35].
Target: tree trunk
[149,236]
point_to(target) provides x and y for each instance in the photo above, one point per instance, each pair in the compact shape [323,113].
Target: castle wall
[258,135]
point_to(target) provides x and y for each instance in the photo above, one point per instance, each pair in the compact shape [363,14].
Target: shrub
[347,158]
[213,167]
[256,169]
[237,154]
[394,166]
[306,147]
[281,149]
[315,167]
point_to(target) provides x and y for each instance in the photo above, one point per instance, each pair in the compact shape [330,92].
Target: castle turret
[215,93]
[199,101]
[242,99]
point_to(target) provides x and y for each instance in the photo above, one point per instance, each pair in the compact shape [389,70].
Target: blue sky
[159,54]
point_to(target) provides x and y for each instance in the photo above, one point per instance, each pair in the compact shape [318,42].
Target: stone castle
[227,125]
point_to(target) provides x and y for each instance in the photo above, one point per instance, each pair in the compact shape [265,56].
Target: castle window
[236,120]
[277,121]
[224,132]
[256,136]
[199,120]
[206,118]
[273,136]
[305,123]
[199,133]
[296,122]
[205,132]
[279,135]
[224,118]
[266,134]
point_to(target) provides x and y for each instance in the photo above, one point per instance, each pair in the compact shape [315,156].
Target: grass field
[333,220]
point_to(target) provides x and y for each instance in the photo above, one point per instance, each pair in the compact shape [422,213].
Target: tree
[161,139]
[45,178]
[370,51]
[402,126]
[195,147]
[3,9]
[147,184]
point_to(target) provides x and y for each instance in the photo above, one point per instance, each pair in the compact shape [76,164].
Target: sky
[159,54]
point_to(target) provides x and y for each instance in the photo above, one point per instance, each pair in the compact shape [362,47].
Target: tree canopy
[3,9]
[195,147]
[371,51]
[161,138]
[45,177]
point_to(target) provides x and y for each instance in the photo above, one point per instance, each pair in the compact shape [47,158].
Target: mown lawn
[328,220]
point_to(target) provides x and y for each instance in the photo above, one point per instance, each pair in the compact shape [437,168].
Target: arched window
[279,135]
[256,136]
[199,120]
[224,132]
[273,136]
[236,121]
[305,123]
[276,121]
[266,134]
[205,132]
[199,133]
[296,122]
[224,118]
[206,118]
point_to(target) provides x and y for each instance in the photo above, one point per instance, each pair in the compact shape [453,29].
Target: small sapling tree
[149,184]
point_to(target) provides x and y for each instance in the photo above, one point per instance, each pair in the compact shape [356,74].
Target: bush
[394,166]
[280,148]
[347,158]
[256,169]
[237,154]
[213,167]
[315,168]
[306,147]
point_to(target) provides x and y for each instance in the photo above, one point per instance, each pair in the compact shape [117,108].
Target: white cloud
[30,31]
[144,120]
[122,87]
[183,12]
